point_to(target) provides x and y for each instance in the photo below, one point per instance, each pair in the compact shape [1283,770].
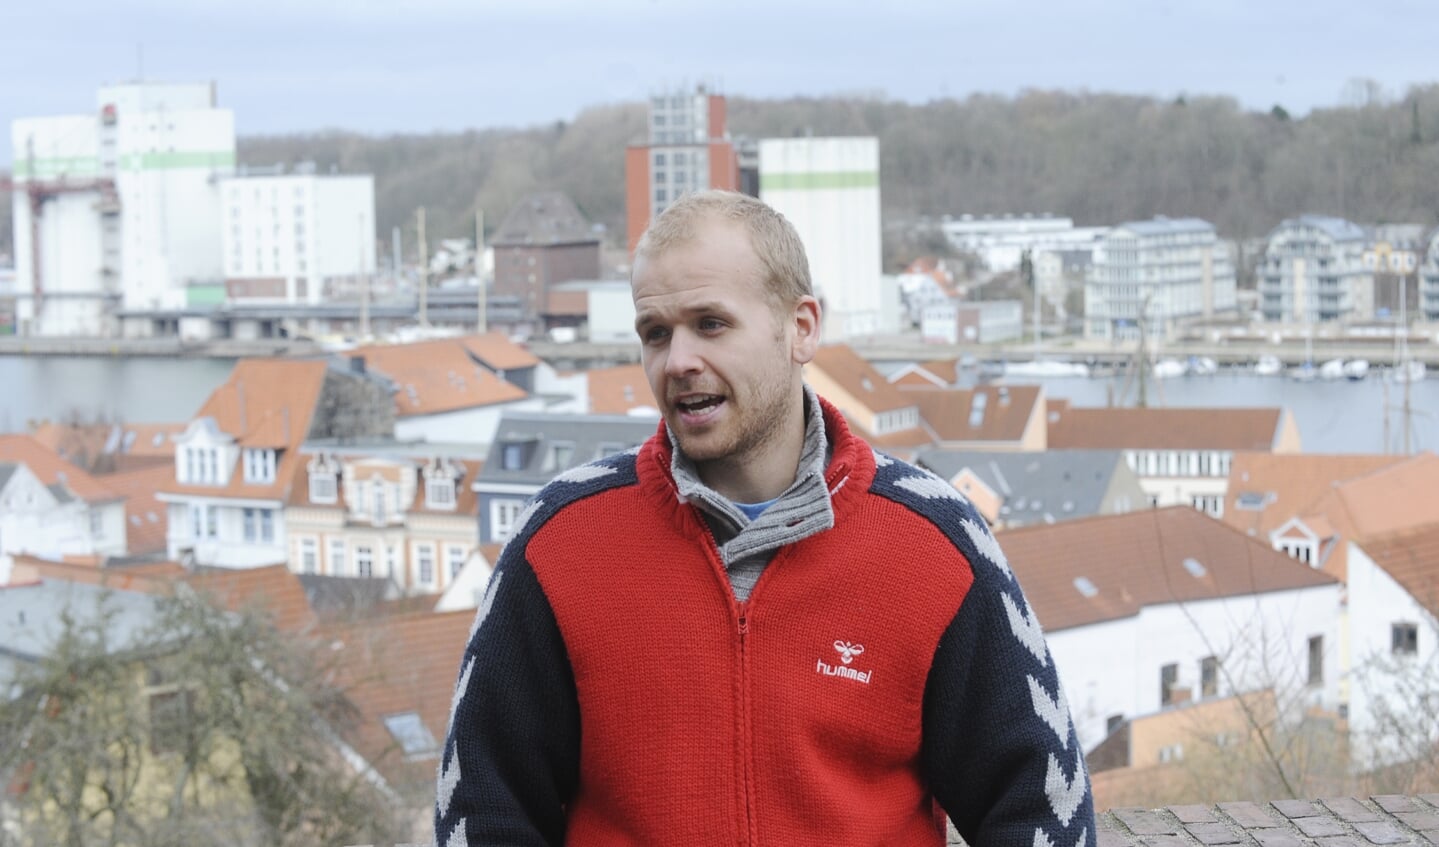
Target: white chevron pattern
[461,688]
[881,460]
[524,518]
[1042,840]
[1026,628]
[1064,794]
[486,603]
[584,473]
[458,838]
[986,545]
[930,487]
[1053,711]
[448,782]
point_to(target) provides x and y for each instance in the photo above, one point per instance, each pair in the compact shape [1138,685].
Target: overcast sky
[421,65]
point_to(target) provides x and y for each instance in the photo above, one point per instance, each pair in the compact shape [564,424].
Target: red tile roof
[393,665]
[1002,415]
[49,468]
[146,518]
[499,352]
[1411,557]
[1290,484]
[1116,428]
[1137,559]
[618,390]
[436,376]
[858,377]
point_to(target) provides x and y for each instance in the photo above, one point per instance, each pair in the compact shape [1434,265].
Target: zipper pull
[743,618]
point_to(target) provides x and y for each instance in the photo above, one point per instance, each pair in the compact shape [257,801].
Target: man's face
[721,358]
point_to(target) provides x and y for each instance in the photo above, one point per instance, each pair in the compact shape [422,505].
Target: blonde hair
[773,239]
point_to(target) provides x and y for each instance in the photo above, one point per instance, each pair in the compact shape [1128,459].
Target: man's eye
[655,334]
[710,324]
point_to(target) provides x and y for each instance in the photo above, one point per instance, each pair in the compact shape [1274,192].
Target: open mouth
[699,404]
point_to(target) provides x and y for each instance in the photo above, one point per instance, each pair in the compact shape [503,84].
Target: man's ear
[806,318]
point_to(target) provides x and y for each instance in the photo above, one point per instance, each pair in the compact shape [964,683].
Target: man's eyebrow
[707,307]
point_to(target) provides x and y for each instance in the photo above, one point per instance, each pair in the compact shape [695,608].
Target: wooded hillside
[1098,158]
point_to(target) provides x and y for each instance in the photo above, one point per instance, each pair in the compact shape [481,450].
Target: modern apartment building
[1429,281]
[1314,271]
[296,238]
[1156,274]
[688,149]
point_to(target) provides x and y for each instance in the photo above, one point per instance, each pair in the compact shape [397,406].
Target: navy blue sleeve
[1000,750]
[511,760]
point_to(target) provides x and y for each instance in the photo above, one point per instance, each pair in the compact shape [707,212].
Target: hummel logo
[848,651]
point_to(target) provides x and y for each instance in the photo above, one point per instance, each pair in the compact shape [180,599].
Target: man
[755,629]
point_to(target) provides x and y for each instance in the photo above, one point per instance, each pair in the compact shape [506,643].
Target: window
[1299,549]
[337,557]
[212,522]
[560,456]
[1316,659]
[309,555]
[456,558]
[259,466]
[512,457]
[425,563]
[503,514]
[323,488]
[1210,504]
[1171,753]
[1112,723]
[1168,680]
[249,524]
[364,561]
[267,526]
[1209,676]
[1405,638]
[377,512]
[97,523]
[170,719]
[414,738]
[440,493]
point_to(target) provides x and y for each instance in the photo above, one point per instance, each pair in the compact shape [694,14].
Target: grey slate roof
[1063,484]
[31,616]
[530,437]
[1167,226]
[1338,229]
[545,218]
[7,470]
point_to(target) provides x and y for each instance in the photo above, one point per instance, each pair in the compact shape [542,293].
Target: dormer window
[440,477]
[323,485]
[259,466]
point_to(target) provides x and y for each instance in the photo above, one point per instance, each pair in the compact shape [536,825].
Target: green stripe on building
[88,166]
[818,180]
[57,166]
[169,161]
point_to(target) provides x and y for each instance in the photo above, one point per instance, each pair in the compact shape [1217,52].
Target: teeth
[699,405]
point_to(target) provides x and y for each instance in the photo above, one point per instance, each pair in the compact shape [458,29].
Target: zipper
[741,612]
[746,742]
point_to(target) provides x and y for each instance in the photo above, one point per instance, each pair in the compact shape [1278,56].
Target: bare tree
[207,728]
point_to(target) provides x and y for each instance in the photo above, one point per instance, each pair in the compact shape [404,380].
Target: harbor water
[1367,416]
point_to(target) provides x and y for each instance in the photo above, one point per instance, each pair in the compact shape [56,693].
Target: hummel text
[841,670]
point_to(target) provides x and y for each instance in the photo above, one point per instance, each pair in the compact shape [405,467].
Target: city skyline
[444,65]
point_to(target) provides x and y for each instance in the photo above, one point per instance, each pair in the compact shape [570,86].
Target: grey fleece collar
[801,511]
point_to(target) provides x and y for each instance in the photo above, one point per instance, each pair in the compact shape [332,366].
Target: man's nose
[683,355]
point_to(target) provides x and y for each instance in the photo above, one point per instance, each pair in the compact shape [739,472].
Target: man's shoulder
[933,499]
[587,480]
